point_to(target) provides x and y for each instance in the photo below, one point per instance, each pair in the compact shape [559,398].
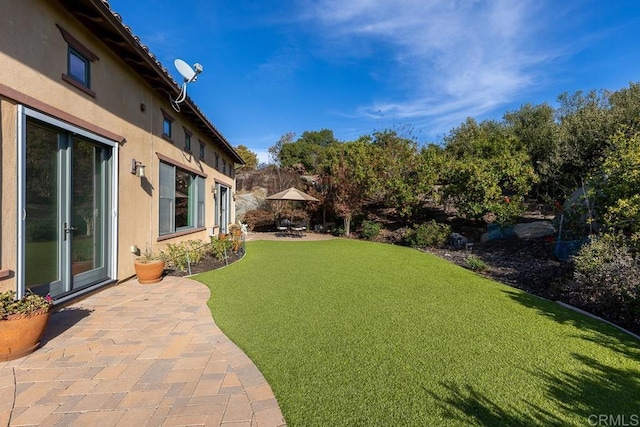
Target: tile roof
[107,25]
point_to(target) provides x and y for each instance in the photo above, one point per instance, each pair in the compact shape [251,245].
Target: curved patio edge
[137,354]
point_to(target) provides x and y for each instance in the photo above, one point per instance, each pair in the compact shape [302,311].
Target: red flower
[507,199]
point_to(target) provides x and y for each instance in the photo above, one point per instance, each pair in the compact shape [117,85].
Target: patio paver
[137,355]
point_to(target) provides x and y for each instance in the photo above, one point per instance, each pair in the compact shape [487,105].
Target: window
[181,199]
[78,67]
[217,166]
[79,60]
[166,128]
[201,150]
[187,140]
[167,125]
[224,166]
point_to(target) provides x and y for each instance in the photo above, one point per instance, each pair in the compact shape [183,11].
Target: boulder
[248,201]
[532,230]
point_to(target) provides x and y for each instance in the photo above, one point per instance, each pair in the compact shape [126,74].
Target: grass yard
[348,332]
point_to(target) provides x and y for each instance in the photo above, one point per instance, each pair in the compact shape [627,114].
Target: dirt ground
[524,264]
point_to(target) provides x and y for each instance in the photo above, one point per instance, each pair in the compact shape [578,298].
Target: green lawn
[356,333]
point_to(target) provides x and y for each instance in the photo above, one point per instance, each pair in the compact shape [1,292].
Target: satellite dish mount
[190,75]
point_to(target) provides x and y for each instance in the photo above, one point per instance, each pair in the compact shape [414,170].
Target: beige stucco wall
[33,56]
[7,193]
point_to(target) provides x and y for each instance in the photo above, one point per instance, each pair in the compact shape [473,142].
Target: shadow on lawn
[592,389]
[465,403]
[595,330]
[595,390]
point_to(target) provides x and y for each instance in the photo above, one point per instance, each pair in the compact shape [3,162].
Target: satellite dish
[185,70]
[190,75]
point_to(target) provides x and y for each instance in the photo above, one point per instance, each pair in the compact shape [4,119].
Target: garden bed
[209,262]
[524,264]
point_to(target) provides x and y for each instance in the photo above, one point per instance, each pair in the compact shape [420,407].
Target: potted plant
[149,268]
[22,323]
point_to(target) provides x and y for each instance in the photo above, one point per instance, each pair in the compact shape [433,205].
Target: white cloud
[263,155]
[450,59]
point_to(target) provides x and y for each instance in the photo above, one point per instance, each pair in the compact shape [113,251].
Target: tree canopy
[250,158]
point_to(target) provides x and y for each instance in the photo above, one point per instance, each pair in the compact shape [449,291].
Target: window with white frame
[181,199]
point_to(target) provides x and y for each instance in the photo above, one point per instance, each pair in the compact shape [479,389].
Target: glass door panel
[66,225]
[87,234]
[43,245]
[224,209]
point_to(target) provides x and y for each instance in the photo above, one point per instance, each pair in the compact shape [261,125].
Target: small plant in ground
[476,263]
[339,231]
[370,229]
[178,256]
[219,247]
[429,235]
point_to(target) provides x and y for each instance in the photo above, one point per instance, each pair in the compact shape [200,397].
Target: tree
[536,130]
[488,172]
[275,149]
[625,107]
[250,158]
[618,184]
[395,180]
[585,128]
[306,153]
[346,173]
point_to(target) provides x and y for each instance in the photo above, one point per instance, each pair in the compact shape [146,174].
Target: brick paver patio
[136,355]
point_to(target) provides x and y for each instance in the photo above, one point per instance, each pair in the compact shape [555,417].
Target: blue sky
[357,66]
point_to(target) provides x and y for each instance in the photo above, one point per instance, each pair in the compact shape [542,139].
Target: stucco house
[83,105]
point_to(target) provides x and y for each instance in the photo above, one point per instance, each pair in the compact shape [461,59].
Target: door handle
[68,230]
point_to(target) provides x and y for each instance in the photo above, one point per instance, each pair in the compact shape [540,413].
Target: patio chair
[282,228]
[299,229]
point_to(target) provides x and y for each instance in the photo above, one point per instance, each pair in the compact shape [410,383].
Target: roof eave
[99,19]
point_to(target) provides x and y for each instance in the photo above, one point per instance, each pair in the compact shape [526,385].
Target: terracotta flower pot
[21,336]
[149,272]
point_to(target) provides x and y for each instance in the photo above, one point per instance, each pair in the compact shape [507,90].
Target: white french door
[66,226]
[223,206]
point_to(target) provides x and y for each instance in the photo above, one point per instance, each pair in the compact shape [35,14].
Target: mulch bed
[209,263]
[524,264]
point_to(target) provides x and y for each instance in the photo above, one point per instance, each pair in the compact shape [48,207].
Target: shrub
[429,234]
[258,219]
[606,279]
[178,256]
[618,187]
[338,231]
[476,263]
[219,247]
[370,229]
